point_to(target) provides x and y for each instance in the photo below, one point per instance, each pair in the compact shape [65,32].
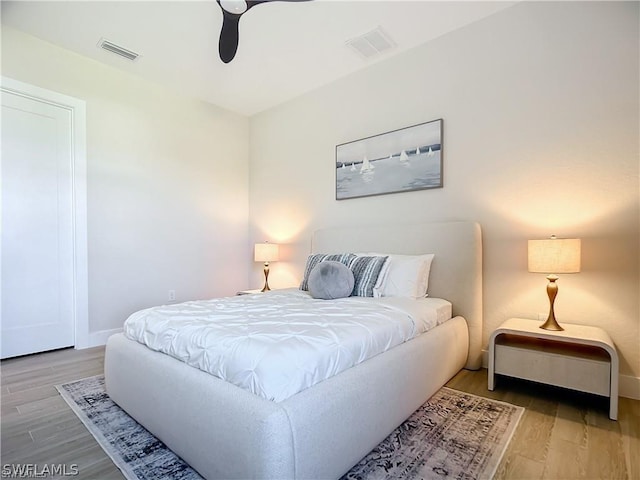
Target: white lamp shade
[265,252]
[554,255]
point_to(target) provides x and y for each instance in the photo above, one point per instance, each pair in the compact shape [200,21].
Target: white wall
[167,181]
[540,109]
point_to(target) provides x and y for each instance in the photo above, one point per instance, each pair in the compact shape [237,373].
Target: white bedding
[279,343]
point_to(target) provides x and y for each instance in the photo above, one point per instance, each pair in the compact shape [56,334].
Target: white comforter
[277,344]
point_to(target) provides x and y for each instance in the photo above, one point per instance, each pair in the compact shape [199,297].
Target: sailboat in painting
[366,165]
[404,158]
[367,170]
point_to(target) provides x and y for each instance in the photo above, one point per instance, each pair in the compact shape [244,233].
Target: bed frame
[224,431]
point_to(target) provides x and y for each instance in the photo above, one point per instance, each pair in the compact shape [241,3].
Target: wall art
[402,160]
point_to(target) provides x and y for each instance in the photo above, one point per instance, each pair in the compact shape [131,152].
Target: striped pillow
[365,272]
[315,259]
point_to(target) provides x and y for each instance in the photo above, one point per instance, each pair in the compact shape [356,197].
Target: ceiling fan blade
[228,45]
[229,34]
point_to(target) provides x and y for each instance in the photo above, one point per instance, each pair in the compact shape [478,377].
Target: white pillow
[404,276]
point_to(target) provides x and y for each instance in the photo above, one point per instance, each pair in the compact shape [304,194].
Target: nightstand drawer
[584,369]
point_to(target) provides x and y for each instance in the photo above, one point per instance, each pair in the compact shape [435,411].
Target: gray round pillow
[329,280]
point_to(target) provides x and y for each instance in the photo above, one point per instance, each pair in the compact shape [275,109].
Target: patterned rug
[454,435]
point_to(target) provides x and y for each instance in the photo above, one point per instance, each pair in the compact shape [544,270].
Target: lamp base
[551,324]
[552,291]
[266,278]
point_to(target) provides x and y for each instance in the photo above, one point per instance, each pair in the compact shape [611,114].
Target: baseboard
[485,358]
[628,386]
[96,339]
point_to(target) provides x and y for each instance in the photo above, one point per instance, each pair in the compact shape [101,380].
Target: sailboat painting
[402,160]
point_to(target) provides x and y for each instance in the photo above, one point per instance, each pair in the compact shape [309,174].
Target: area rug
[455,435]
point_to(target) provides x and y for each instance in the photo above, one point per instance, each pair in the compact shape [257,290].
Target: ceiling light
[234,6]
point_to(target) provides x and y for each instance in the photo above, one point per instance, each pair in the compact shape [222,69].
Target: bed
[224,431]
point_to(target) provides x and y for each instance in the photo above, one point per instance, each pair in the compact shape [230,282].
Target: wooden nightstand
[579,357]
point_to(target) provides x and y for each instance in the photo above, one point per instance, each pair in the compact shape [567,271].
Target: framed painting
[402,160]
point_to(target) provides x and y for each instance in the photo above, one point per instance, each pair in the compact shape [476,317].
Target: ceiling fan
[232,10]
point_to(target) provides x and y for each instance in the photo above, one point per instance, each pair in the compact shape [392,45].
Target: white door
[37,226]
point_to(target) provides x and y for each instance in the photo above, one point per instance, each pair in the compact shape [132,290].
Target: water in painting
[406,170]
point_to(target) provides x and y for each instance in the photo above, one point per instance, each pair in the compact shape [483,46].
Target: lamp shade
[265,252]
[554,255]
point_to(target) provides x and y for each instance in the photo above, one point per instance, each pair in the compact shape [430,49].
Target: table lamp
[552,256]
[266,252]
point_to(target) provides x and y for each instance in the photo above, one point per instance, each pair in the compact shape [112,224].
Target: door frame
[78,114]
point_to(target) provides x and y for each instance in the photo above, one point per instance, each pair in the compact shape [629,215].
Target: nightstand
[248,292]
[580,357]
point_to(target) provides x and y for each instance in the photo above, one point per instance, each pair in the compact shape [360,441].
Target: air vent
[117,49]
[372,43]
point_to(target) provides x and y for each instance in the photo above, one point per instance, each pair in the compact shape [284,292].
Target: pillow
[377,288]
[366,270]
[315,259]
[330,279]
[407,276]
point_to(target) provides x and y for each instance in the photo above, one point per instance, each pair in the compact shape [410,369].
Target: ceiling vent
[117,49]
[372,43]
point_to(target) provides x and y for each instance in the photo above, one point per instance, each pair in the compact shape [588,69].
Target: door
[37,299]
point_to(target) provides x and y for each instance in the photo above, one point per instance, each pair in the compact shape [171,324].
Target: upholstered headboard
[456,271]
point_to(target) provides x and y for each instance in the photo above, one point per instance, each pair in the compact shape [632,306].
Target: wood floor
[38,427]
[562,435]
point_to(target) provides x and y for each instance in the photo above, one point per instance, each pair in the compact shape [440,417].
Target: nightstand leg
[492,363]
[613,390]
